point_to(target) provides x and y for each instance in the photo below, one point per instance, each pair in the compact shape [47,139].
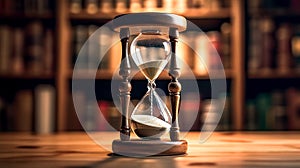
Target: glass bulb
[151,52]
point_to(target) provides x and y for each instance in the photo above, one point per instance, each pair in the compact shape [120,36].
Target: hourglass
[149,39]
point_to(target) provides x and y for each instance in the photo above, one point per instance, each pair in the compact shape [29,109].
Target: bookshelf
[62,22]
[272,81]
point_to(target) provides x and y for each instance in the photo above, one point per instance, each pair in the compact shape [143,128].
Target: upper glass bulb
[151,51]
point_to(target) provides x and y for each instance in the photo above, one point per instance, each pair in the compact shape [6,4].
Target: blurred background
[258,42]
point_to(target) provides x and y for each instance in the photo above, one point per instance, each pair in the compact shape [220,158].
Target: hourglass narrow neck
[151,85]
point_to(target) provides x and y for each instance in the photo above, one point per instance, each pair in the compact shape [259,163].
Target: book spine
[263,103]
[293,108]
[284,48]
[135,6]
[215,53]
[34,54]
[255,46]
[44,109]
[296,48]
[17,57]
[106,6]
[104,44]
[75,6]
[22,111]
[80,37]
[91,6]
[189,109]
[5,48]
[3,118]
[73,123]
[251,116]
[48,56]
[121,6]
[149,5]
[267,28]
[201,60]
[93,49]
[226,45]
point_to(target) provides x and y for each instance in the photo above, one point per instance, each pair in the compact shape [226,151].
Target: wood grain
[228,149]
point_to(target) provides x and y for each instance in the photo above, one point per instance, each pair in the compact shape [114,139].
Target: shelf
[26,76]
[274,75]
[20,16]
[190,14]
[275,13]
[107,75]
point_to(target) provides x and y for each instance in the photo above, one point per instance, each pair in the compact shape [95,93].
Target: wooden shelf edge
[189,13]
[27,76]
[107,75]
[274,75]
[27,16]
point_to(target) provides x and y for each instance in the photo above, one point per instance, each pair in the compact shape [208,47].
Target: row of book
[277,110]
[39,7]
[26,51]
[105,116]
[29,111]
[273,47]
[121,6]
[199,51]
[256,5]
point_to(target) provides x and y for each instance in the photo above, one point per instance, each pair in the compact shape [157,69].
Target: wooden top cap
[149,19]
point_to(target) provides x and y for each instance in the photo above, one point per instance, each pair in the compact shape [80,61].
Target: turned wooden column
[125,86]
[174,86]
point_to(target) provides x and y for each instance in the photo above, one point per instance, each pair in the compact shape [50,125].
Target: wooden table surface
[74,150]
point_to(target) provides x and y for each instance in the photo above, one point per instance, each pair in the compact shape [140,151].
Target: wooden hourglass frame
[128,25]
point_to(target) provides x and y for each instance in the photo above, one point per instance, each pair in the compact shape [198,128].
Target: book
[277,115]
[73,123]
[5,48]
[263,104]
[209,116]
[91,117]
[34,48]
[189,109]
[184,52]
[293,108]
[44,109]
[77,117]
[115,57]
[255,46]
[3,118]
[202,55]
[180,6]
[75,6]
[21,112]
[48,57]
[105,37]
[214,50]
[80,35]
[135,6]
[284,55]
[121,6]
[150,5]
[295,43]
[93,48]
[91,6]
[251,116]
[225,121]
[106,6]
[226,45]
[167,5]
[267,28]
[17,60]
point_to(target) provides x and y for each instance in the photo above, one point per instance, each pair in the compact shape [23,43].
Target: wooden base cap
[142,148]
